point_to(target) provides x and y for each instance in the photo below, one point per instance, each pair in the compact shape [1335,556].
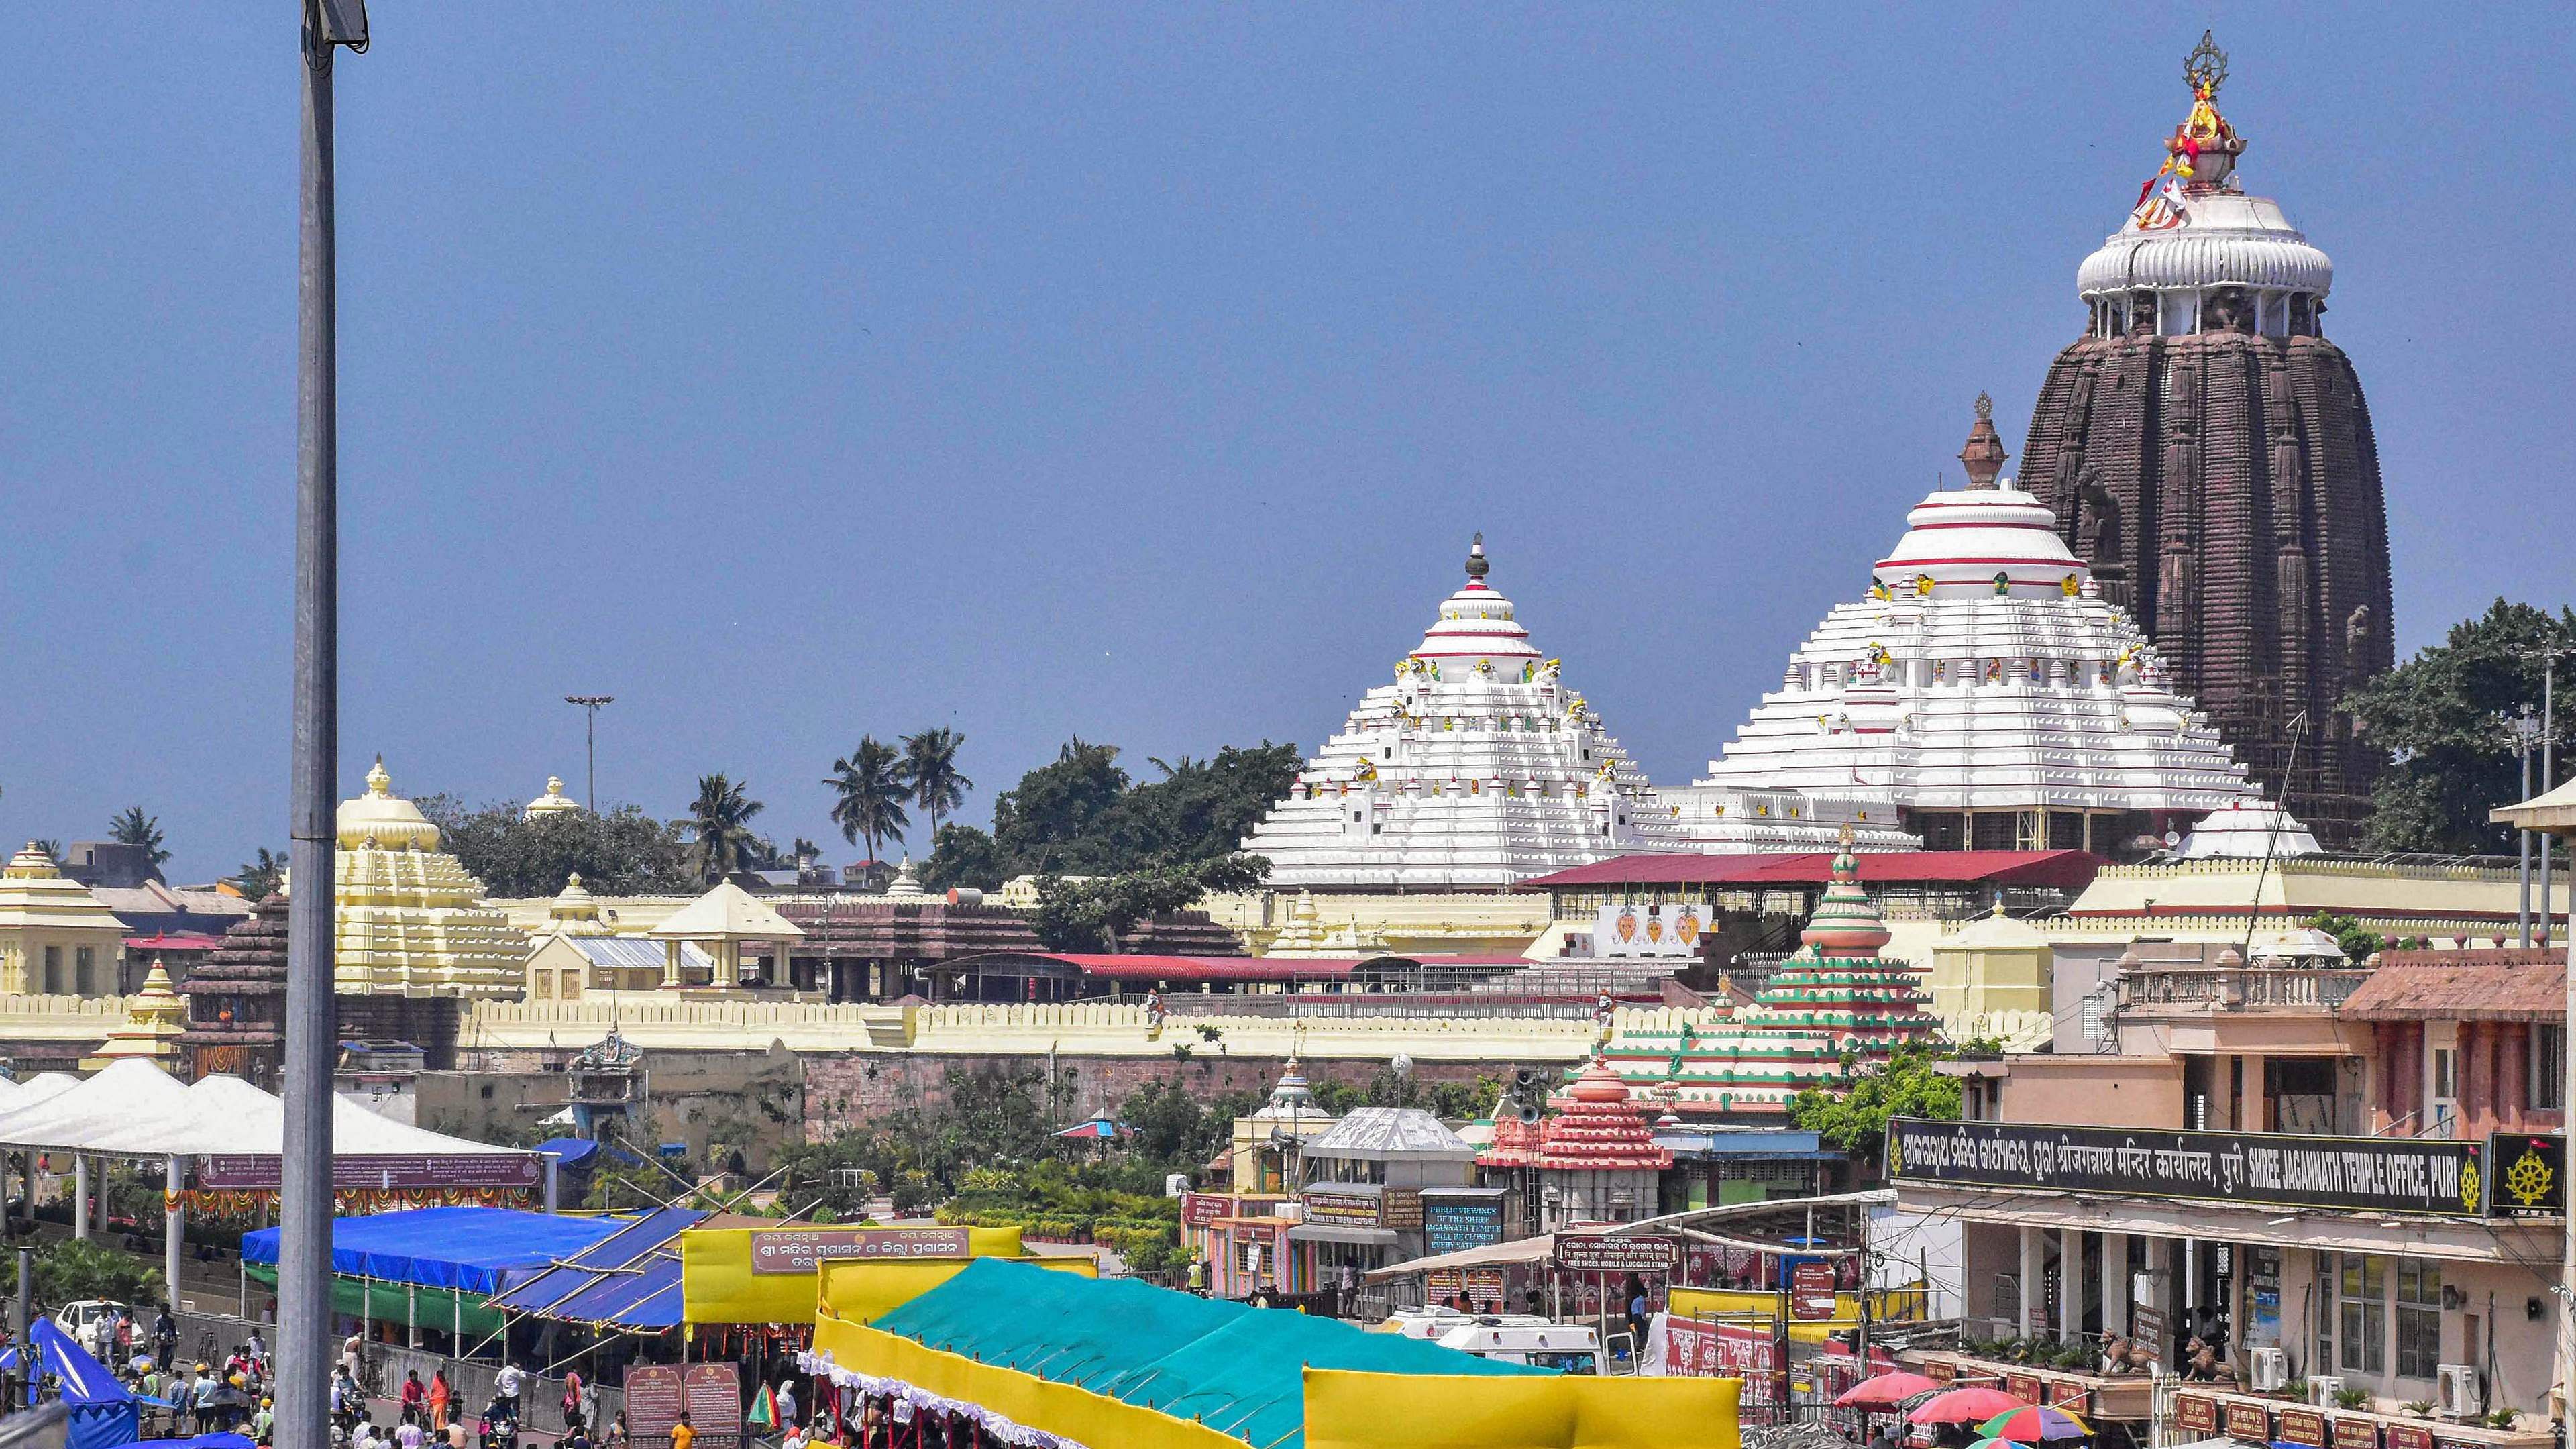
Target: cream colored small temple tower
[410,920]
[55,937]
[153,1024]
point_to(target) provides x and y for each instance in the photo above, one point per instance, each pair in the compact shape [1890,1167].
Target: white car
[76,1318]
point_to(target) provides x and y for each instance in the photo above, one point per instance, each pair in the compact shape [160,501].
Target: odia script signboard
[1614,1255]
[2353,1174]
[799,1251]
[484,1170]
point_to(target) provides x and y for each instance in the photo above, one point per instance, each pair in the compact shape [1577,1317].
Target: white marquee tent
[134,1109]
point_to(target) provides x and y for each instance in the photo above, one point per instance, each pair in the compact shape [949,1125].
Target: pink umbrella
[1964,1406]
[1885,1391]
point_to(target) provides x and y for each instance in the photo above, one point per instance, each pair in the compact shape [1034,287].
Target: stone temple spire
[1477,568]
[1984,455]
[2206,449]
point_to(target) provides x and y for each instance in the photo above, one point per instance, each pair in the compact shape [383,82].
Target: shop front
[2362,1274]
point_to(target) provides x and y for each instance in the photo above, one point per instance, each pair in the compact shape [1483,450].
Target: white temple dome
[553,802]
[2224,239]
[1959,543]
[2245,829]
[1476,768]
[382,819]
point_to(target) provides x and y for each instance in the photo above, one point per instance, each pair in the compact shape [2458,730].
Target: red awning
[169,942]
[2071,869]
[1161,968]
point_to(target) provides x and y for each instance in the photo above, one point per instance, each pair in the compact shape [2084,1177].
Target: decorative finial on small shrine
[1477,568]
[1984,455]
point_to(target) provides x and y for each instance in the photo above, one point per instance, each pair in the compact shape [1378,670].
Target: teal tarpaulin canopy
[1239,1369]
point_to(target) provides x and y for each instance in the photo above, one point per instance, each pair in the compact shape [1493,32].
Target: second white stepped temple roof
[1477,767]
[1982,671]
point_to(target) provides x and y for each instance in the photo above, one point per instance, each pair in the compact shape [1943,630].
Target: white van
[1574,1348]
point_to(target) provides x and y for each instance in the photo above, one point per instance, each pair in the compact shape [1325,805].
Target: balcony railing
[2238,988]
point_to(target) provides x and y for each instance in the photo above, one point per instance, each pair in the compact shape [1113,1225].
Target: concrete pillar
[2070,1284]
[2033,1266]
[670,963]
[80,1197]
[174,1223]
[2475,1080]
[2115,1283]
[554,1183]
[2257,1113]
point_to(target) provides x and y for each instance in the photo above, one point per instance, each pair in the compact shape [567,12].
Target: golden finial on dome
[378,782]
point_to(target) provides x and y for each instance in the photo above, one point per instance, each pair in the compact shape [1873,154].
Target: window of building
[2361,1292]
[53,970]
[2548,1066]
[2419,1318]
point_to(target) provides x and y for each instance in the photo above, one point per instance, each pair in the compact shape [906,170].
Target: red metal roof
[1172,968]
[2072,869]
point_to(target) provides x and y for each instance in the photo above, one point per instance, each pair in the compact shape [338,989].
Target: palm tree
[721,818]
[869,788]
[930,759]
[260,878]
[130,826]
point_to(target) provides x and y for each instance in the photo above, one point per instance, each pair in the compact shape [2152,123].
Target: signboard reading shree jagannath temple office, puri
[2269,1169]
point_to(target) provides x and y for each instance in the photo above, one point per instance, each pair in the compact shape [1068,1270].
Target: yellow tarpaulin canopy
[717,1284]
[1347,1410]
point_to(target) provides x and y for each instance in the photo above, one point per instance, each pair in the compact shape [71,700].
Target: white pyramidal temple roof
[1477,767]
[2246,829]
[1982,670]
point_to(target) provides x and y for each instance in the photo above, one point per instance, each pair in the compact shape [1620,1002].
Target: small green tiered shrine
[1835,998]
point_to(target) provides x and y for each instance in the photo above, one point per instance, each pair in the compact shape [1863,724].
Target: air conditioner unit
[2322,1389]
[2270,1367]
[2461,1396]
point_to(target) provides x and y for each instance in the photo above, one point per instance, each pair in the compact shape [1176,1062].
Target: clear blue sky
[796,372]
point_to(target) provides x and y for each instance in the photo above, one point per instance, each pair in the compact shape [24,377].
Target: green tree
[130,826]
[1851,1115]
[623,852]
[1047,824]
[261,876]
[68,1270]
[868,791]
[720,823]
[1096,913]
[961,855]
[1199,808]
[930,763]
[2435,719]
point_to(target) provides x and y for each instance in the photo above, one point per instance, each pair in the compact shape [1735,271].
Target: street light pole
[304,1169]
[2523,732]
[590,704]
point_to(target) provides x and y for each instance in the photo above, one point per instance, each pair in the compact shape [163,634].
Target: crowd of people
[185,1395]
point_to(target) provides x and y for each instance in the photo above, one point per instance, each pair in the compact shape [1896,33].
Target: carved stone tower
[2208,452]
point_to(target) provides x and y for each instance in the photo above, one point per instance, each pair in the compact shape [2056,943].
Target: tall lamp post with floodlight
[590,704]
[304,1186]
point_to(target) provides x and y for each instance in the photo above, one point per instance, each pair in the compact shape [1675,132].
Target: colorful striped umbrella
[2031,1424]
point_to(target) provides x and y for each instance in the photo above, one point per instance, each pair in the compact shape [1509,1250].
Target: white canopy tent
[134,1109]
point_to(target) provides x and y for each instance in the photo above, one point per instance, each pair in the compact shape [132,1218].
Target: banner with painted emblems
[1665,932]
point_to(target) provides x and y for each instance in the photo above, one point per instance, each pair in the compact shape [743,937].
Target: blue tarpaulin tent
[629,1279]
[103,1413]
[479,1250]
